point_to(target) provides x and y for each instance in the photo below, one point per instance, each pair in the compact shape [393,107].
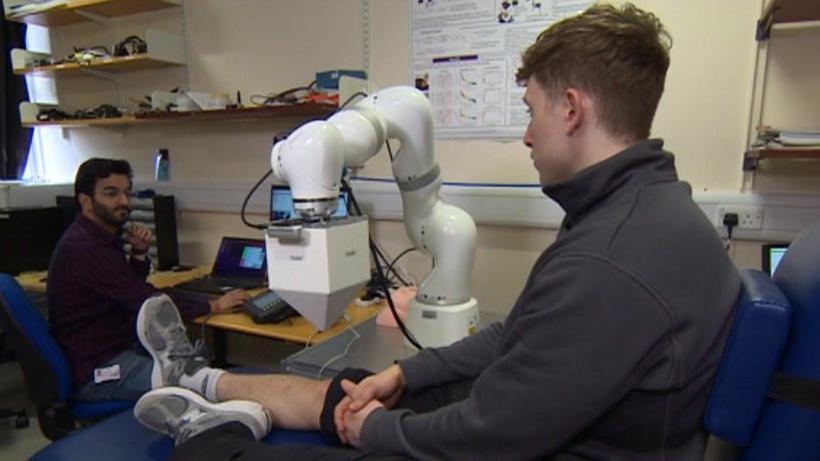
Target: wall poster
[465,55]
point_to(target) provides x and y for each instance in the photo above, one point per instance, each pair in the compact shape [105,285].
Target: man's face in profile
[545,135]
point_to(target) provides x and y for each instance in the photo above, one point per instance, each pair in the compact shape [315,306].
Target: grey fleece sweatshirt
[609,351]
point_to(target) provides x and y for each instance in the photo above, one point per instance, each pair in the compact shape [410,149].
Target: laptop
[771,254]
[281,203]
[240,263]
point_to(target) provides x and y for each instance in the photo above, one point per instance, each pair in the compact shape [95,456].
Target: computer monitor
[281,203]
[241,257]
[771,254]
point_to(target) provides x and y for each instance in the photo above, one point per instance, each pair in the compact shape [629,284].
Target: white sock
[203,381]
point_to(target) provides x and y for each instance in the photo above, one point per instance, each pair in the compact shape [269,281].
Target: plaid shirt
[94,294]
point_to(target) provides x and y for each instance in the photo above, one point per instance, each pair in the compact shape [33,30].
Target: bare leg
[292,402]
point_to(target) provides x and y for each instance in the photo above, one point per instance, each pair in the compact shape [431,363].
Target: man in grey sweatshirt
[610,350]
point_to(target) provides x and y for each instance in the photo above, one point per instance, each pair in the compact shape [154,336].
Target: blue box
[329,80]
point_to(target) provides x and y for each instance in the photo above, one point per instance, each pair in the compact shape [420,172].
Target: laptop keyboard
[211,284]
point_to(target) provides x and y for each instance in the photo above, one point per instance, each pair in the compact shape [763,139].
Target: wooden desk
[296,329]
[167,279]
[36,280]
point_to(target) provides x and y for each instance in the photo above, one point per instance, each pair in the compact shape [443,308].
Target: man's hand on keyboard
[229,300]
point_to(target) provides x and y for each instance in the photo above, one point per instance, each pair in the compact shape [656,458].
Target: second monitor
[281,203]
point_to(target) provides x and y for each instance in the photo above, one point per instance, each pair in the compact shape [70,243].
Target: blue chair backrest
[788,429]
[766,397]
[32,328]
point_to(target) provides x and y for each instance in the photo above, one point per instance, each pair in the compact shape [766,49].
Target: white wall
[262,46]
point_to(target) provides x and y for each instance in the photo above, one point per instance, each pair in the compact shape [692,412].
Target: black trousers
[235,442]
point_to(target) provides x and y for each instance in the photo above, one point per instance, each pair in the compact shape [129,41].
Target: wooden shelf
[788,153]
[786,11]
[310,111]
[71,11]
[792,12]
[115,64]
[77,123]
[754,156]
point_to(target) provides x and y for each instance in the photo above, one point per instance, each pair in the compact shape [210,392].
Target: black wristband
[138,253]
[334,395]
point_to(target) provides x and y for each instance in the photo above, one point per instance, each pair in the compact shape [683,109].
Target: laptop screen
[281,203]
[771,254]
[240,257]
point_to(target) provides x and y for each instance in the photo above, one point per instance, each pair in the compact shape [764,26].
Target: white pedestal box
[318,268]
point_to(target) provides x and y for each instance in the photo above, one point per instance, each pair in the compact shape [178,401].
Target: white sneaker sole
[152,305]
[175,402]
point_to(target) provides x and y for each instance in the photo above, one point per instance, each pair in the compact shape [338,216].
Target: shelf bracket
[100,19]
[750,161]
[764,24]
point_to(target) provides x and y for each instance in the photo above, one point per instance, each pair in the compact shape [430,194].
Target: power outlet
[749,217]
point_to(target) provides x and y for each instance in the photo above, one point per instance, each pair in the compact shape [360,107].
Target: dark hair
[98,168]
[618,55]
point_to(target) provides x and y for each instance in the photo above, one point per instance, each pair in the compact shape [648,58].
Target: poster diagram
[465,55]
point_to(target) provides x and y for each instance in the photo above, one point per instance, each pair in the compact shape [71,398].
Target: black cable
[281,138]
[389,298]
[129,46]
[248,197]
[278,97]
[389,150]
[358,211]
[386,263]
[730,220]
[391,266]
[374,251]
[348,100]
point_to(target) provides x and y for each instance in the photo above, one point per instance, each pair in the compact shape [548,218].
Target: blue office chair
[45,369]
[766,397]
[20,416]
[123,438]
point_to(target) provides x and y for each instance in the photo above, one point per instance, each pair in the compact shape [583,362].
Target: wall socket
[749,217]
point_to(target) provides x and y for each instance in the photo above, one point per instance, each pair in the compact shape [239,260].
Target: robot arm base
[437,326]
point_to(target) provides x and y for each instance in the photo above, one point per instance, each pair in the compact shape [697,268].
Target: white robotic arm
[310,162]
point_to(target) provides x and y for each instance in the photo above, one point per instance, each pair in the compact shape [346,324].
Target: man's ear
[575,110]
[85,201]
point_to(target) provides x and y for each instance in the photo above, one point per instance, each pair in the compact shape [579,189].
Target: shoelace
[182,351]
[184,428]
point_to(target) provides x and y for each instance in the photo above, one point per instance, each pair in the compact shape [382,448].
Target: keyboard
[268,307]
[219,285]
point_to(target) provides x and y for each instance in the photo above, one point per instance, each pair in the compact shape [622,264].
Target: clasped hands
[381,390]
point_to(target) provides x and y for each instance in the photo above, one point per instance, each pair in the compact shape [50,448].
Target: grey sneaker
[162,333]
[182,414]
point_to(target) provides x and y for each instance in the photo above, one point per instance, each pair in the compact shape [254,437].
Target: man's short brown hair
[617,55]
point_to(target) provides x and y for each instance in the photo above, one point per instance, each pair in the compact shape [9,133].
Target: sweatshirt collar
[639,164]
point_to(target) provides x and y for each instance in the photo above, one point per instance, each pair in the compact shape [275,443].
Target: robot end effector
[310,160]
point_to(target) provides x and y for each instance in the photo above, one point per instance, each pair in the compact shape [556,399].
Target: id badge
[102,375]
